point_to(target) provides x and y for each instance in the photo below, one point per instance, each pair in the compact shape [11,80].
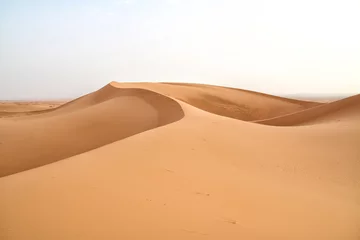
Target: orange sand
[181,161]
[20,108]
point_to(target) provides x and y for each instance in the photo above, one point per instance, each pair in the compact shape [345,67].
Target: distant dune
[333,111]
[180,161]
[319,97]
[21,108]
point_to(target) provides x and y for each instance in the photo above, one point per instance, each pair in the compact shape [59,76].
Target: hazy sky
[65,48]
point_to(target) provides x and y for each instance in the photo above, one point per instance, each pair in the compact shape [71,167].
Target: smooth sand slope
[198,176]
[112,114]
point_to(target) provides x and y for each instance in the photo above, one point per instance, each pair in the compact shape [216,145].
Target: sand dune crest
[230,102]
[100,118]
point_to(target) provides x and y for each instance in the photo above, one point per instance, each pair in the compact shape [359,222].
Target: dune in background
[333,111]
[21,108]
[182,161]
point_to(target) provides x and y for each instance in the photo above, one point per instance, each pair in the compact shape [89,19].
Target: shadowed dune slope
[344,109]
[101,118]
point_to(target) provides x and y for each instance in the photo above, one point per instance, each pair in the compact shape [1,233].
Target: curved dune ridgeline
[229,102]
[181,161]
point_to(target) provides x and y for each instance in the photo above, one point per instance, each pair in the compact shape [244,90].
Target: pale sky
[66,48]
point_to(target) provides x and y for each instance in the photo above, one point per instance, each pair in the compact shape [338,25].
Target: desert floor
[180,161]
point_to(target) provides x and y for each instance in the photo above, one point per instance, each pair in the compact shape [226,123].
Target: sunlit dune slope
[344,109]
[117,114]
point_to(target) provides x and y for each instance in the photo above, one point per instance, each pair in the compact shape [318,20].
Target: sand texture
[180,161]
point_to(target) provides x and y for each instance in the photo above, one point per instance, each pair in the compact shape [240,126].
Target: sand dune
[113,116]
[107,115]
[199,175]
[333,111]
[234,103]
[21,108]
